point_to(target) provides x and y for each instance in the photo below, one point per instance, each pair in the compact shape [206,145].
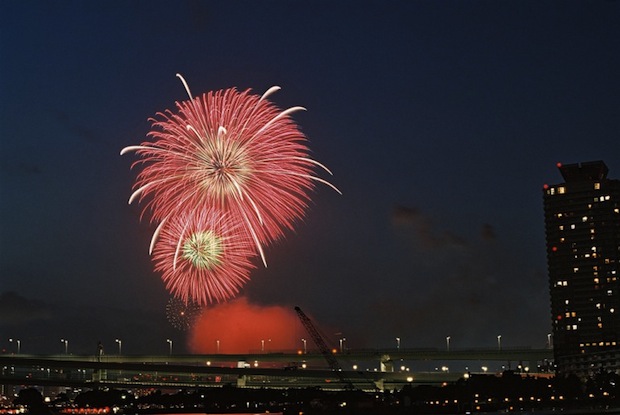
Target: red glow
[545,186]
[559,164]
[241,327]
[555,248]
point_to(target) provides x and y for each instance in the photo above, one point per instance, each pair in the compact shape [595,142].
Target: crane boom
[320,343]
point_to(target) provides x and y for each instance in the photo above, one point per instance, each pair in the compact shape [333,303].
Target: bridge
[281,369]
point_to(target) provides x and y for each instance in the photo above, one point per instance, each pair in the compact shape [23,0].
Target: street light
[342,344]
[549,344]
[66,342]
[170,343]
[217,342]
[19,344]
[120,346]
[262,345]
[398,343]
[499,342]
[305,346]
[448,343]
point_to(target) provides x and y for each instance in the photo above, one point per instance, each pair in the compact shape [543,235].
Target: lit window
[561,190]
[576,269]
[559,215]
[597,186]
[607,197]
[593,249]
[596,280]
[600,326]
[616,210]
[572,226]
[610,292]
[584,219]
[566,302]
[574,327]
[561,227]
[598,305]
[611,310]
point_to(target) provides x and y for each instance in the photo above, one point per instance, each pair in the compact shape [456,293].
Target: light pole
[499,342]
[305,346]
[398,343]
[170,344]
[19,344]
[120,346]
[217,343]
[342,344]
[262,345]
[549,344]
[448,343]
[66,342]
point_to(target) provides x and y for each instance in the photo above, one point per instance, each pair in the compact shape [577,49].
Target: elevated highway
[282,369]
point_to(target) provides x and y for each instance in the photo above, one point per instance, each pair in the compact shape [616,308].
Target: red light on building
[559,164]
[545,186]
[555,248]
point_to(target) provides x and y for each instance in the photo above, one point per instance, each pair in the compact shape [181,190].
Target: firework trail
[180,314]
[203,256]
[232,150]
[225,174]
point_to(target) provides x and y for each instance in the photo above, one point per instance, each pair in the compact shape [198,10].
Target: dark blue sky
[441,121]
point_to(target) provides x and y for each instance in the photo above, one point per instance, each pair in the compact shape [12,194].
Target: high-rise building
[582,224]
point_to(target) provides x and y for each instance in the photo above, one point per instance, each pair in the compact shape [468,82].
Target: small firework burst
[180,314]
[229,150]
[203,257]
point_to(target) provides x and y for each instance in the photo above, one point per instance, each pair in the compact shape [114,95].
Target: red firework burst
[229,150]
[204,256]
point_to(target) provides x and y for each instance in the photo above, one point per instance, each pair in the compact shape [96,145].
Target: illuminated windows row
[595,344]
[602,198]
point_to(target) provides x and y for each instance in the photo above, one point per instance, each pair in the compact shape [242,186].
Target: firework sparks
[180,314]
[203,256]
[231,150]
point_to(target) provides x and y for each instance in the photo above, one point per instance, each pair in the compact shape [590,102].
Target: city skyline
[440,121]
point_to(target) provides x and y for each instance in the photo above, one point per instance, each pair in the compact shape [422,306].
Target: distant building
[582,223]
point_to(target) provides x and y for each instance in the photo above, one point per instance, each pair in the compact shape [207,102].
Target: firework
[203,256]
[232,151]
[180,314]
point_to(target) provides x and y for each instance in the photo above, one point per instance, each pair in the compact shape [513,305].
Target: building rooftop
[586,171]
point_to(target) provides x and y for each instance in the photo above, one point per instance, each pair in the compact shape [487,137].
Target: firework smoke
[239,327]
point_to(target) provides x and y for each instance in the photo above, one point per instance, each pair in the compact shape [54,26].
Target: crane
[325,351]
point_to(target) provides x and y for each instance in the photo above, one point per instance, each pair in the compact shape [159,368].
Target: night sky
[441,121]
